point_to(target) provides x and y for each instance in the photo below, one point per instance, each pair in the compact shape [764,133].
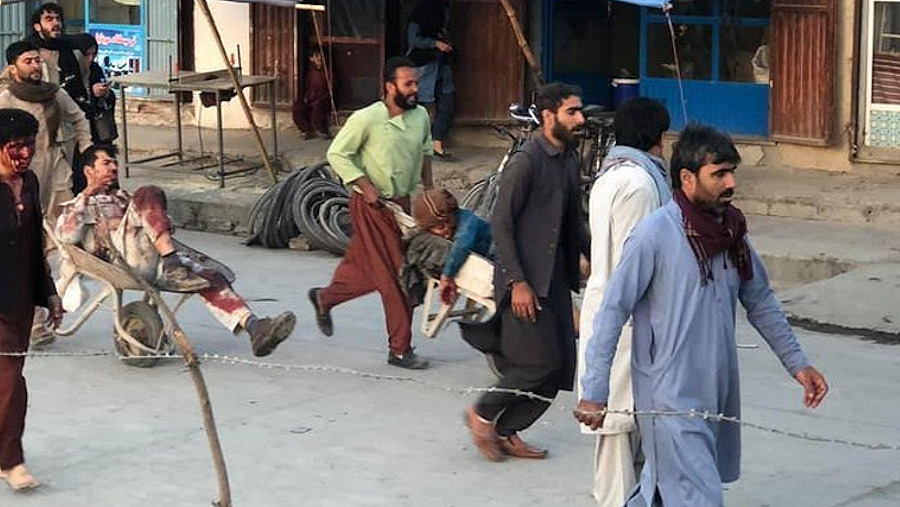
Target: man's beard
[716,206]
[564,135]
[48,34]
[406,102]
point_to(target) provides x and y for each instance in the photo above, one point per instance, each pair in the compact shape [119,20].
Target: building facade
[812,83]
[132,35]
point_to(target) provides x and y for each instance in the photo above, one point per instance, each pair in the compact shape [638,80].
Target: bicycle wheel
[486,206]
[474,196]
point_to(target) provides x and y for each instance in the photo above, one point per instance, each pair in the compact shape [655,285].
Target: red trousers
[14,334]
[312,117]
[372,263]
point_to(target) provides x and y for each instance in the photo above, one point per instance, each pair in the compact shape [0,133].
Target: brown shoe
[514,446]
[483,435]
[269,332]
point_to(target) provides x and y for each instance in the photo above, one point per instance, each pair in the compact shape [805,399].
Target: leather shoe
[269,332]
[409,360]
[483,435]
[513,445]
[323,317]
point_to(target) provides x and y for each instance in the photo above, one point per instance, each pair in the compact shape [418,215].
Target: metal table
[216,82]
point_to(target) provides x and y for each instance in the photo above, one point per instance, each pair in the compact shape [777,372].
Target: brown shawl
[42,93]
[708,237]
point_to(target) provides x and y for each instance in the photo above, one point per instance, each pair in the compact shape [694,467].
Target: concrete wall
[233,21]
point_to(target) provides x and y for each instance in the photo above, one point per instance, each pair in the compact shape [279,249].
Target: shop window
[693,7]
[744,54]
[746,8]
[115,12]
[694,43]
[886,54]
[577,27]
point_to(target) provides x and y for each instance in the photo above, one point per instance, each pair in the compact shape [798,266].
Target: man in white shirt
[633,182]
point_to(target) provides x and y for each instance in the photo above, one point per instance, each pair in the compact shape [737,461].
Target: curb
[808,208]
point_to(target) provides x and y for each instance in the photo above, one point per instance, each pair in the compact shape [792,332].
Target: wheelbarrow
[140,334]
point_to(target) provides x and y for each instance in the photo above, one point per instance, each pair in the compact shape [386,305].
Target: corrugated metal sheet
[803,69]
[13,22]
[274,50]
[162,35]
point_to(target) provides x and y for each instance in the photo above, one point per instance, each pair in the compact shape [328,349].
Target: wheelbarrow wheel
[143,323]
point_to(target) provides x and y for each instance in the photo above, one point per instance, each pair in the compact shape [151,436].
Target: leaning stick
[193,366]
[315,20]
[235,82]
[536,72]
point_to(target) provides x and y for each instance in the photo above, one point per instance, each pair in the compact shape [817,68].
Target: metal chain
[705,415]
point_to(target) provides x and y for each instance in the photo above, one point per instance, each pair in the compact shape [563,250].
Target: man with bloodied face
[109,222]
[24,284]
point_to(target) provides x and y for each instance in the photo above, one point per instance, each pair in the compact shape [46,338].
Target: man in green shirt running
[382,152]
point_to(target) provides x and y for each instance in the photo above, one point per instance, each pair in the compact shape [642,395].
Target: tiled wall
[884,129]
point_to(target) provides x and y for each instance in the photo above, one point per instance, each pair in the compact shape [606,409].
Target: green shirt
[389,151]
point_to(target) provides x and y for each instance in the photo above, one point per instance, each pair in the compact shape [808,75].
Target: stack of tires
[310,202]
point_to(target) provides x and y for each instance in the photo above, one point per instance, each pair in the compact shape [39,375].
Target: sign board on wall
[120,49]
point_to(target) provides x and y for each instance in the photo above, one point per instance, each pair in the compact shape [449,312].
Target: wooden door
[273,49]
[490,70]
[802,70]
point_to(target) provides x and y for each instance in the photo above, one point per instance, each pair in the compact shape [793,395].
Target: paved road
[103,434]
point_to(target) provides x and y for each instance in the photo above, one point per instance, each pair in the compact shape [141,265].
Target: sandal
[19,479]
[445,155]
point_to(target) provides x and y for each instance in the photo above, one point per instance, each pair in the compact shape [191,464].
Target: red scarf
[709,237]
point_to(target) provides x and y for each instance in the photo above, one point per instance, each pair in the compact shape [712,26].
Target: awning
[278,3]
[659,4]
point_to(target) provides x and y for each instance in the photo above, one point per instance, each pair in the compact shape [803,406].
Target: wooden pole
[193,366]
[536,73]
[315,20]
[204,6]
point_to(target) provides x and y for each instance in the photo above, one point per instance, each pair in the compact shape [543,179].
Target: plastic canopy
[659,4]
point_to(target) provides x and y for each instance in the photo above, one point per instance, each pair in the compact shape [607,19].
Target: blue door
[723,59]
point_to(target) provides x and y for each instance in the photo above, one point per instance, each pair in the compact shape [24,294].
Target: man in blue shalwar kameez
[681,274]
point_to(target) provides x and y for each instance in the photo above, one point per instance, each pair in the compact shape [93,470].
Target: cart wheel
[144,324]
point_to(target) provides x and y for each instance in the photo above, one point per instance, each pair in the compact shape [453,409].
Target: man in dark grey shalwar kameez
[680,276]
[538,230]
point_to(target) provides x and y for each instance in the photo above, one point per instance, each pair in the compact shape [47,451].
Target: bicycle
[598,125]
[598,138]
[483,195]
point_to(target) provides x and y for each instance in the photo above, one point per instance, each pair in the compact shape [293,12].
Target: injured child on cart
[448,234]
[105,220]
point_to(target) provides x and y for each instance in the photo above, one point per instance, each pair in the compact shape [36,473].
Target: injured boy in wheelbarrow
[138,227]
[448,234]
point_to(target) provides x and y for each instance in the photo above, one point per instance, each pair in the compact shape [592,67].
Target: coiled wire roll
[310,202]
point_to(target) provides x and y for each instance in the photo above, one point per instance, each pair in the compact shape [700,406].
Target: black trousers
[443,118]
[536,357]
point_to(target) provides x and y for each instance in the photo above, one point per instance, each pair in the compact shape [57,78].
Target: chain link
[705,415]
